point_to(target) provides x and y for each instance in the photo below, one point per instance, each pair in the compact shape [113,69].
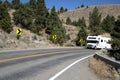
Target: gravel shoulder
[79,71]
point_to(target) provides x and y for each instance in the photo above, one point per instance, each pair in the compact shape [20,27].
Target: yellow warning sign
[54,37]
[81,40]
[19,31]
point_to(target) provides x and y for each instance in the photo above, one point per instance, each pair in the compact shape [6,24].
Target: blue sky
[72,4]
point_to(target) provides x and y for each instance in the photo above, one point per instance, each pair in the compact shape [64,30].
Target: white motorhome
[98,42]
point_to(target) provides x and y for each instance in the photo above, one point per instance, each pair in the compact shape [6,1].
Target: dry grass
[72,31]
[102,70]
[113,10]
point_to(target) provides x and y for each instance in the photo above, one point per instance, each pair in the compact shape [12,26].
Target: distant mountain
[113,10]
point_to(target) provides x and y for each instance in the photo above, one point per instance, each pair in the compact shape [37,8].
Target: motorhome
[98,42]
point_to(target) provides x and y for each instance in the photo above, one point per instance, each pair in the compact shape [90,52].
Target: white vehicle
[98,42]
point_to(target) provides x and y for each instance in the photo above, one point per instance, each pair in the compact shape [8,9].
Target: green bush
[68,20]
[5,21]
[116,34]
[81,35]
[6,25]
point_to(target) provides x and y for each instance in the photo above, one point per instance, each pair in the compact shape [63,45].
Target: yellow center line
[35,55]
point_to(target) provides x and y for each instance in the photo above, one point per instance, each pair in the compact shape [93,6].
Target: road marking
[41,49]
[63,70]
[36,55]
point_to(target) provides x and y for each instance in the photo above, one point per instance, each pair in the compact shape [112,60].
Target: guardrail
[114,63]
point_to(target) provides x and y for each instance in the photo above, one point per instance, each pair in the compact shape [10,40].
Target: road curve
[38,64]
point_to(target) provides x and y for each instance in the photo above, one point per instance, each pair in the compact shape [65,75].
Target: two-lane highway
[38,64]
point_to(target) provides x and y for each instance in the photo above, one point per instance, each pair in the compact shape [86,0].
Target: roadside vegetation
[33,16]
[5,20]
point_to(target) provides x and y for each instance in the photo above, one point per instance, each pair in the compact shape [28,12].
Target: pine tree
[95,21]
[68,20]
[41,15]
[55,28]
[16,4]
[116,34]
[23,16]
[108,23]
[61,10]
[0,1]
[82,5]
[32,4]
[87,6]
[81,35]
[7,4]
[81,22]
[66,9]
[74,23]
[5,20]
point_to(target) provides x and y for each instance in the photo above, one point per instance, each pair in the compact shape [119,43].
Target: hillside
[31,40]
[113,10]
[72,31]
[27,40]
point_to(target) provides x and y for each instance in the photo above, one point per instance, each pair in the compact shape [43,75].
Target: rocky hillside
[113,10]
[27,40]
[72,31]
[31,40]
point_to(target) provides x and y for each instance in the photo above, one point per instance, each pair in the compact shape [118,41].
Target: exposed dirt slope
[72,31]
[113,10]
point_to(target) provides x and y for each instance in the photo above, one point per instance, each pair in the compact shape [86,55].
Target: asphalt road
[39,64]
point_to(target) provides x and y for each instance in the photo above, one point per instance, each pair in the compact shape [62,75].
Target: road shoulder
[79,71]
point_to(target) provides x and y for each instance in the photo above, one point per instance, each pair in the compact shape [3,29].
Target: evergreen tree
[5,20]
[87,7]
[81,22]
[117,26]
[116,34]
[16,4]
[68,20]
[6,25]
[0,1]
[61,10]
[74,23]
[95,21]
[23,16]
[66,10]
[55,28]
[82,5]
[7,4]
[41,15]
[32,4]
[81,35]
[108,23]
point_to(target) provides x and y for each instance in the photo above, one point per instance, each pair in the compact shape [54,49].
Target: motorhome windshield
[92,41]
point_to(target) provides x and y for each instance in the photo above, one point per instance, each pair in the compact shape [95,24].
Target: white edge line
[63,70]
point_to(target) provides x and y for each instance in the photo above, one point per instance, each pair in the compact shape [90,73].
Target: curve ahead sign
[19,31]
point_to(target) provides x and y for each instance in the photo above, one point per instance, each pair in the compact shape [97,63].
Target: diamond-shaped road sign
[19,31]
[54,37]
[81,40]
